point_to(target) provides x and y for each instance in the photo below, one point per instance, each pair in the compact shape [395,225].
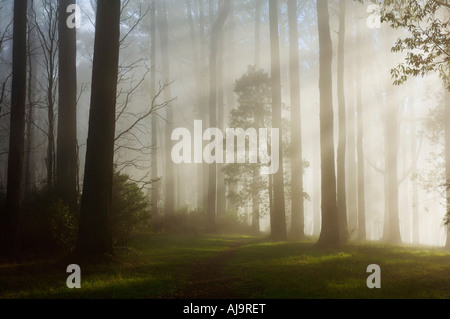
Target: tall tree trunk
[414,186]
[329,234]
[9,217]
[221,190]
[297,219]
[67,158]
[279,219]
[360,140]
[94,234]
[342,144]
[51,130]
[154,170]
[229,76]
[203,72]
[169,177]
[447,162]
[391,225]
[316,201]
[258,32]
[216,30]
[30,163]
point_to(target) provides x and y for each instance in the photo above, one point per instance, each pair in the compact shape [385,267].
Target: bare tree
[94,234]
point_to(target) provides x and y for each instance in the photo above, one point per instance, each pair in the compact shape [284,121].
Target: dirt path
[206,279]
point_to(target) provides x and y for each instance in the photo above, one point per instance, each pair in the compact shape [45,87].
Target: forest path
[206,279]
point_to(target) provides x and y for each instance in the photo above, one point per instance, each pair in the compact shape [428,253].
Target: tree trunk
[9,217]
[169,190]
[391,225]
[221,190]
[342,144]
[215,34]
[360,141]
[154,170]
[30,163]
[447,163]
[329,235]
[94,235]
[297,219]
[279,218]
[414,186]
[67,158]
[258,32]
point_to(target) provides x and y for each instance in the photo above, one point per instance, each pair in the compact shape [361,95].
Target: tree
[427,45]
[30,162]
[94,235]
[216,30]
[360,141]
[342,143]
[9,217]
[329,234]
[254,98]
[447,162]
[154,169]
[67,154]
[169,190]
[278,221]
[47,30]
[297,219]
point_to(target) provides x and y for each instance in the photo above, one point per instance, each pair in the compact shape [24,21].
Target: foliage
[432,178]
[130,209]
[427,44]
[254,111]
[189,221]
[47,223]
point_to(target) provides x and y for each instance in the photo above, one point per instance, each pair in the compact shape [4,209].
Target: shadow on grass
[303,270]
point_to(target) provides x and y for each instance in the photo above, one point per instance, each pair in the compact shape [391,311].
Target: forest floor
[163,266]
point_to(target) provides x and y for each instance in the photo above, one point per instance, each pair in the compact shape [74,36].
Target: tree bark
[279,219]
[30,163]
[9,217]
[212,181]
[297,219]
[154,170]
[342,143]
[414,186]
[66,157]
[329,235]
[94,236]
[258,32]
[447,163]
[169,189]
[360,140]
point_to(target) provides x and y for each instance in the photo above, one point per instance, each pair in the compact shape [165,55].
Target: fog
[420,150]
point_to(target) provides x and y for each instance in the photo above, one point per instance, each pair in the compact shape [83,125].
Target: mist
[176,83]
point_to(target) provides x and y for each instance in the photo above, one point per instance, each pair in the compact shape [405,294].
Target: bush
[194,222]
[47,224]
[130,209]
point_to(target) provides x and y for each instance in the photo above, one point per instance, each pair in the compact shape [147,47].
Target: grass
[157,266]
[302,270]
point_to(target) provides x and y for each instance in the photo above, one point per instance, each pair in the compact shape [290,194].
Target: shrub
[130,209]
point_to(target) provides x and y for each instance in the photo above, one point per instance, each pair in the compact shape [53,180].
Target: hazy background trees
[363,149]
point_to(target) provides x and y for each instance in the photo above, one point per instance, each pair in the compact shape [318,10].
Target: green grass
[302,270]
[157,266]
[152,267]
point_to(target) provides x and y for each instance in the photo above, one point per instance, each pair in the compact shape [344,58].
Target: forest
[170,147]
